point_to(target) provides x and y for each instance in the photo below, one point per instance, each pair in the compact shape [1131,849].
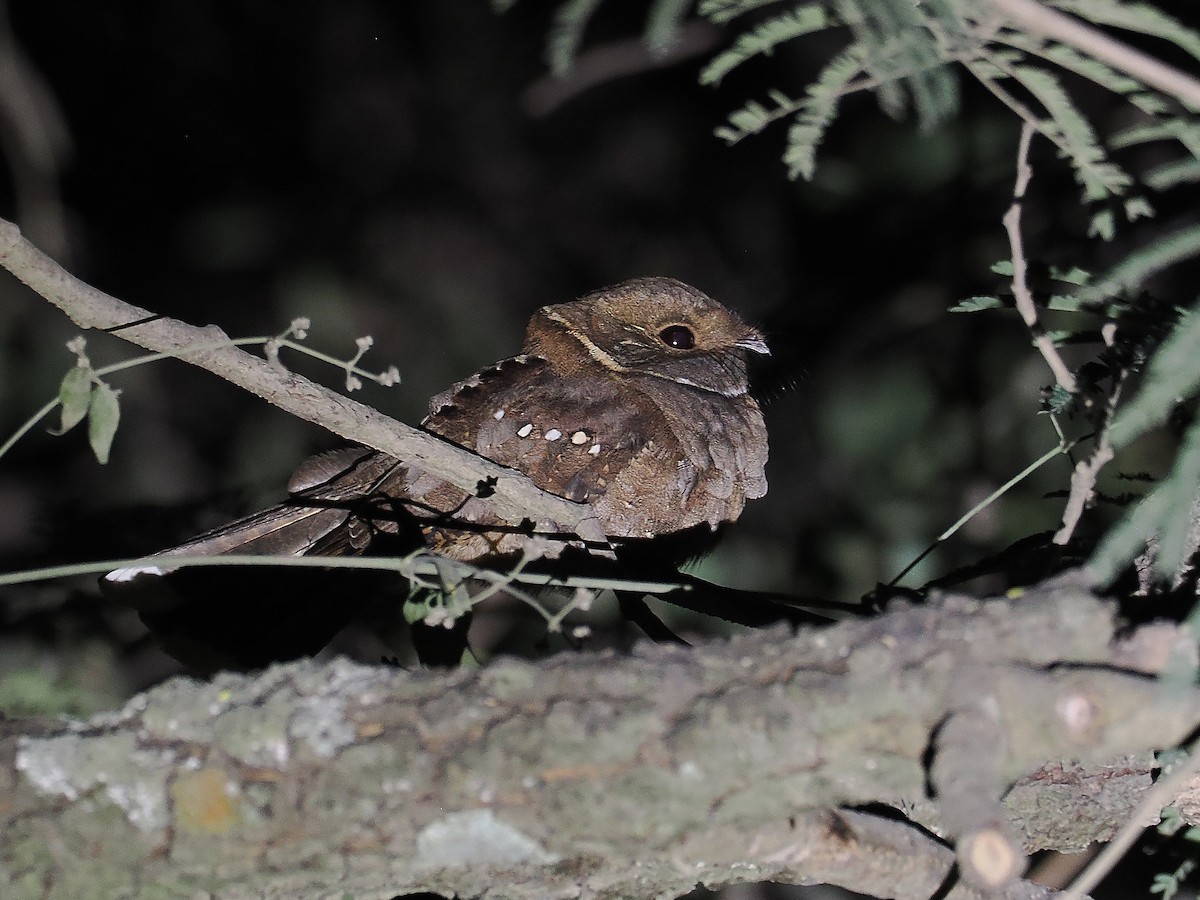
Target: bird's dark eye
[678,336]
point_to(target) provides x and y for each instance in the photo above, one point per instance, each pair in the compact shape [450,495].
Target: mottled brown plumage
[632,399]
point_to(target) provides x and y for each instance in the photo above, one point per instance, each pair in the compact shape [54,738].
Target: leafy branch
[84,394]
[909,55]
[514,496]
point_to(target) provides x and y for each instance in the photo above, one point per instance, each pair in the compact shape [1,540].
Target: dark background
[394,169]
[382,168]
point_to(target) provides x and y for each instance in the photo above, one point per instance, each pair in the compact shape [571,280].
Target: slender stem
[29,423]
[1004,488]
[407,565]
[515,496]
[983,504]
[1022,295]
[1158,796]
[1083,479]
[176,354]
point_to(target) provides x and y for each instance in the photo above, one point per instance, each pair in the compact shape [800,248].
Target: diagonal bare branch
[515,496]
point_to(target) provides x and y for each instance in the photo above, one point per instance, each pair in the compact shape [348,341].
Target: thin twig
[1063,447]
[1083,485]
[1020,286]
[1047,128]
[410,567]
[514,496]
[1083,479]
[1162,793]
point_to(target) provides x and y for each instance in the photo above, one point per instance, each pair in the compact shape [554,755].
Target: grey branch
[1022,295]
[591,775]
[1042,20]
[515,497]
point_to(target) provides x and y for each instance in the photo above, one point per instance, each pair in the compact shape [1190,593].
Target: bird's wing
[320,518]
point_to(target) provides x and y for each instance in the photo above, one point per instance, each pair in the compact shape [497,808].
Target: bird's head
[656,327]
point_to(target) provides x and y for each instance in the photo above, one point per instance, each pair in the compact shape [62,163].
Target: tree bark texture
[765,757]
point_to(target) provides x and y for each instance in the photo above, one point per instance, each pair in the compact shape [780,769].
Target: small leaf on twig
[74,396]
[975,304]
[103,416]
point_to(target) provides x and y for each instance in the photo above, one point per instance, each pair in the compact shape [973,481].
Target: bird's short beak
[755,343]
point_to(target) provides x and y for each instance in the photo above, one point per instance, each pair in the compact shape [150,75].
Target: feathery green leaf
[763,38]
[1186,131]
[1172,375]
[1139,17]
[721,11]
[975,304]
[753,117]
[1169,175]
[1177,539]
[1073,135]
[817,110]
[1128,537]
[1132,272]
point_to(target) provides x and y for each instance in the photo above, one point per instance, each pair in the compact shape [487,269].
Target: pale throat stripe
[595,352]
[609,363]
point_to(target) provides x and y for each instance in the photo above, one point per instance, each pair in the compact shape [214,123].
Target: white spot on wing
[498,415]
[579,437]
[553,434]
[594,450]
[525,430]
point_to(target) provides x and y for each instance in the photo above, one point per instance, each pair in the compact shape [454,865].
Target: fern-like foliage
[1136,332]
[1034,60]
[813,113]
[1141,265]
[1071,132]
[1106,311]
[890,51]
[763,38]
[721,11]
[903,54]
[1169,511]
[908,53]
[907,50]
[1137,17]
[817,111]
